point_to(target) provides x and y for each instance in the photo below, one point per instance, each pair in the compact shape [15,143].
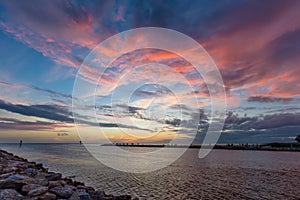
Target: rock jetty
[22,180]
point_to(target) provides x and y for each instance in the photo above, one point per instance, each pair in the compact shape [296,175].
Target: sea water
[223,174]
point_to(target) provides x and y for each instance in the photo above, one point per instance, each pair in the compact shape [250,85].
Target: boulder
[9,169]
[34,181]
[53,184]
[9,194]
[41,180]
[47,196]
[37,191]
[84,196]
[74,196]
[68,181]
[16,181]
[1,167]
[76,183]
[27,188]
[62,191]
[39,165]
[51,176]
[31,171]
[6,175]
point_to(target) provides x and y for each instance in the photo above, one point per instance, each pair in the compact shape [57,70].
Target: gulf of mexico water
[223,174]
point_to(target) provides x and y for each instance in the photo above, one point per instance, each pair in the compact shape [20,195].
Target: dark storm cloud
[262,99]
[173,122]
[51,112]
[246,124]
[56,113]
[259,129]
[113,125]
[129,109]
[278,120]
[14,124]
[234,121]
[282,134]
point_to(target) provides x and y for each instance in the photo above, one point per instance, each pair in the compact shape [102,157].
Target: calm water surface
[223,174]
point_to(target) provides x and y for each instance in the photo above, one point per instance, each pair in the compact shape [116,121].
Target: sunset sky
[255,45]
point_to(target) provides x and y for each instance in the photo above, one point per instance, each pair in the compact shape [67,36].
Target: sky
[44,46]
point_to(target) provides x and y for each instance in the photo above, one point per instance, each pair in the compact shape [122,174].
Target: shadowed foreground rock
[21,179]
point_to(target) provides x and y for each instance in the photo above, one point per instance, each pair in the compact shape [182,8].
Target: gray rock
[37,191]
[6,175]
[47,196]
[27,188]
[51,176]
[63,192]
[14,164]
[39,165]
[10,194]
[9,169]
[53,184]
[84,196]
[74,196]
[41,180]
[31,171]
[34,181]
[16,181]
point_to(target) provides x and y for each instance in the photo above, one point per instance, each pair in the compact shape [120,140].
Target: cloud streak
[14,124]
[51,112]
[24,86]
[266,99]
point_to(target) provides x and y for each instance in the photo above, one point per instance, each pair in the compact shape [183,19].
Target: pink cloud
[259,51]
[245,45]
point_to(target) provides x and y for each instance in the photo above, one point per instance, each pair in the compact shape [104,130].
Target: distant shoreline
[292,147]
[258,147]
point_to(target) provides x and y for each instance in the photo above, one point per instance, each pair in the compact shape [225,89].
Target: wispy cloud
[14,124]
[24,86]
